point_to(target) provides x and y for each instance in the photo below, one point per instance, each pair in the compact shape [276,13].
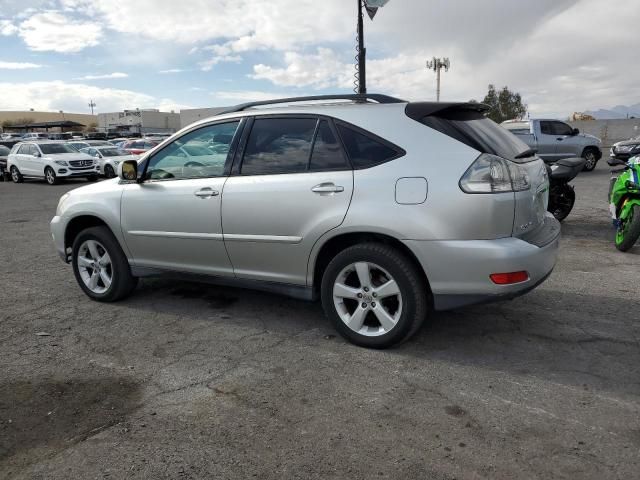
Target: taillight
[492,174]
[509,278]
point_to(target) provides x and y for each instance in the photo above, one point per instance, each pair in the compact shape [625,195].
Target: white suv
[50,160]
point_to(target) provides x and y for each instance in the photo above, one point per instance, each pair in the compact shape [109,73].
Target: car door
[19,158]
[566,142]
[31,161]
[547,141]
[172,219]
[290,184]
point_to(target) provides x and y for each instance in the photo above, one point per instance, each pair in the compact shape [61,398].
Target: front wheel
[561,201]
[591,159]
[109,172]
[629,230]
[50,176]
[374,295]
[100,266]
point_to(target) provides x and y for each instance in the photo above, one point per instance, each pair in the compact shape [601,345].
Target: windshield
[55,148]
[113,152]
[477,131]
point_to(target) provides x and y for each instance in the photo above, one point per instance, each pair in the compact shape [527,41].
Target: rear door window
[327,152]
[278,145]
[561,128]
[364,149]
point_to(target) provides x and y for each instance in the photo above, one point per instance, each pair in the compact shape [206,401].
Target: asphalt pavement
[196,381]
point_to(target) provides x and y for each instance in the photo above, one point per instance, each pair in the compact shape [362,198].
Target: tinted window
[197,154]
[546,128]
[278,145]
[479,132]
[55,148]
[363,150]
[560,128]
[327,153]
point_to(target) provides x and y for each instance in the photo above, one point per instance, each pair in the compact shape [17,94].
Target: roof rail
[363,98]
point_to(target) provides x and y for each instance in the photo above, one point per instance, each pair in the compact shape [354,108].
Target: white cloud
[18,65]
[106,76]
[7,28]
[55,32]
[208,65]
[242,96]
[73,97]
[171,70]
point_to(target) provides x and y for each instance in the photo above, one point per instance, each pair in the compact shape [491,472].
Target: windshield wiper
[530,152]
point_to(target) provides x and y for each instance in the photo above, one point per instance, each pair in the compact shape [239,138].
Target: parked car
[35,136]
[95,136]
[76,135]
[10,136]
[50,160]
[79,145]
[4,153]
[60,136]
[553,140]
[348,202]
[138,147]
[626,149]
[108,157]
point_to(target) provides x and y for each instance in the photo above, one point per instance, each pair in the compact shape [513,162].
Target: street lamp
[436,65]
[371,7]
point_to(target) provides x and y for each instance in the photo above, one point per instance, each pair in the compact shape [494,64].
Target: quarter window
[278,145]
[363,150]
[197,154]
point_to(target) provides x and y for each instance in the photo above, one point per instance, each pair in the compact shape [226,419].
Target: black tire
[50,176]
[92,178]
[591,157]
[413,290]
[123,283]
[16,176]
[109,172]
[561,201]
[632,231]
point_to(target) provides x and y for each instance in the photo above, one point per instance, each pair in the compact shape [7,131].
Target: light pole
[436,65]
[371,6]
[91,105]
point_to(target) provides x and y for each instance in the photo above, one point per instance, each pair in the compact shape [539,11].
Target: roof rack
[362,98]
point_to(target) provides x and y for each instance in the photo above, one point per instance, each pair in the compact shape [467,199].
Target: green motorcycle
[624,202]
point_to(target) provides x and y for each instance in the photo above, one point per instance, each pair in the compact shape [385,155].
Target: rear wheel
[561,201]
[50,176]
[629,231]
[591,157]
[100,266]
[374,295]
[16,176]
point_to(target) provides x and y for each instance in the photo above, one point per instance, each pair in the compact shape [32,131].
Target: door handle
[327,188]
[207,193]
[560,139]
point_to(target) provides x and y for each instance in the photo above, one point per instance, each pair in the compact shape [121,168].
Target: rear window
[479,132]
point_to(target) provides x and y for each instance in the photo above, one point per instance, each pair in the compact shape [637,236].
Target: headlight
[62,162]
[63,199]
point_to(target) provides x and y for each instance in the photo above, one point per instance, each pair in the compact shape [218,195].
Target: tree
[504,105]
[92,127]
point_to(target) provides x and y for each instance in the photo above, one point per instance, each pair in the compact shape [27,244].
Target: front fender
[627,206]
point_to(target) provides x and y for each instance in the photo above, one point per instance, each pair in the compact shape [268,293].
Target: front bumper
[459,270]
[70,172]
[57,227]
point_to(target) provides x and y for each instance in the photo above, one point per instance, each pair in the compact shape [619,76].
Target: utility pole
[371,7]
[91,105]
[436,65]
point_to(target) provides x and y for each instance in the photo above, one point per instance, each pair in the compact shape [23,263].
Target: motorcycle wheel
[629,232]
[561,201]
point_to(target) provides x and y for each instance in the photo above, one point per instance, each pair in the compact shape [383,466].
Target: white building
[191,115]
[139,121]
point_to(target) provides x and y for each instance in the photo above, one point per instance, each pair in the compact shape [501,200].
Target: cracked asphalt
[192,381]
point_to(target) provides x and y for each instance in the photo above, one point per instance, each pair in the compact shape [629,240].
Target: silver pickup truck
[554,140]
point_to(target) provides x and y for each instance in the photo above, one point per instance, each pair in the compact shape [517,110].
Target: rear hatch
[467,123]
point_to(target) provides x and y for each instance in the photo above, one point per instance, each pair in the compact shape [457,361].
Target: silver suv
[383,209]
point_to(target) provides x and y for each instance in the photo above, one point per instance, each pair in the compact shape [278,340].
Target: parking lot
[192,381]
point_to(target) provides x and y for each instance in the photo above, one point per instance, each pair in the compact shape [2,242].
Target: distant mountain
[619,111]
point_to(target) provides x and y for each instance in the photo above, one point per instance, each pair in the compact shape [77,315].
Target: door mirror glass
[128,170]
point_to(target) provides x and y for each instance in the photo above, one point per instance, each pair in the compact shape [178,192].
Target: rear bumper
[459,270]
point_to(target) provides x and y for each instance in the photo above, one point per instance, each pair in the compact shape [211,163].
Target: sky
[561,55]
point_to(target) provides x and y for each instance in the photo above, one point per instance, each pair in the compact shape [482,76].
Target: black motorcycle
[562,196]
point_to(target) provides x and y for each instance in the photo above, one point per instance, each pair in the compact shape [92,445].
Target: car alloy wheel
[94,266]
[50,176]
[15,175]
[367,299]
[591,161]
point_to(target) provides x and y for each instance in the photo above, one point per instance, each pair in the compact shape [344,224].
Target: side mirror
[37,154]
[575,132]
[128,170]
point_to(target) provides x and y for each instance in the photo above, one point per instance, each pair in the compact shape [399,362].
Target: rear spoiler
[419,110]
